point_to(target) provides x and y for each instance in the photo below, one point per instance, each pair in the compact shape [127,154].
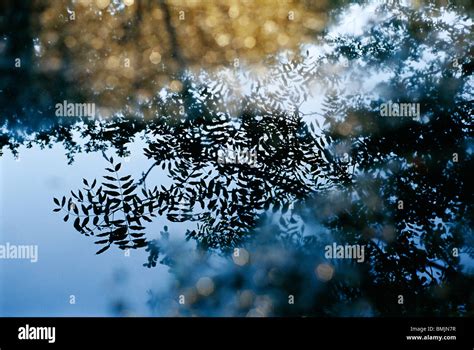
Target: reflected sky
[67,264]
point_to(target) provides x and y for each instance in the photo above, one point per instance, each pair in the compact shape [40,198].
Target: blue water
[67,264]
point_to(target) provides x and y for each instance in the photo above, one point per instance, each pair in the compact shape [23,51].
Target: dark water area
[244,158]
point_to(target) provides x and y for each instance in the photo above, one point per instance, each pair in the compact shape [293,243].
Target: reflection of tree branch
[144,176]
[428,263]
[430,273]
[384,256]
[175,52]
[440,267]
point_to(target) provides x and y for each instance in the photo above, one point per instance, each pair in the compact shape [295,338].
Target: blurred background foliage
[123,52]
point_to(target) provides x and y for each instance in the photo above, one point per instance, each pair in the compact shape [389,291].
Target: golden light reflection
[205,286]
[325,272]
[241,256]
[146,45]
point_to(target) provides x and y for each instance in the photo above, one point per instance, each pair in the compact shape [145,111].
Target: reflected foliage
[341,174]
[118,54]
[407,199]
[111,211]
